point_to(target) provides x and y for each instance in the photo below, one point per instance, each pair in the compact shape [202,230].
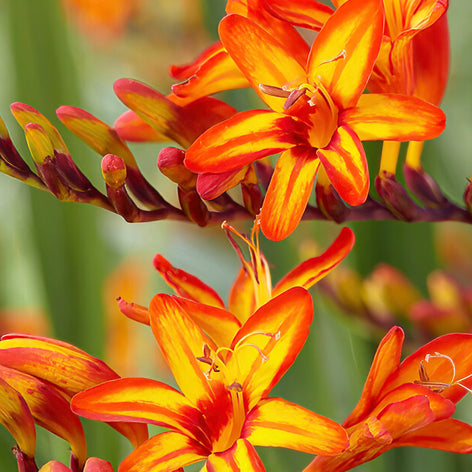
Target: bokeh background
[62,264]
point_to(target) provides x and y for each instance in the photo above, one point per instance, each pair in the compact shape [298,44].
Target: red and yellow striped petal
[68,368]
[242,139]
[241,457]
[345,50]
[394,117]
[285,320]
[242,301]
[213,71]
[276,422]
[458,347]
[181,342]
[345,165]
[143,401]
[157,110]
[264,58]
[164,452]
[447,435]
[187,285]
[95,133]
[16,417]
[311,271]
[302,13]
[49,409]
[385,363]
[289,191]
[219,324]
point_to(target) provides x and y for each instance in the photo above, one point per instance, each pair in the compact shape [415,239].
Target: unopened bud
[424,187]
[193,206]
[39,143]
[171,163]
[113,171]
[330,203]
[468,196]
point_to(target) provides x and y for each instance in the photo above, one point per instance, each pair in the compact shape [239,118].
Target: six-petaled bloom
[408,403]
[222,409]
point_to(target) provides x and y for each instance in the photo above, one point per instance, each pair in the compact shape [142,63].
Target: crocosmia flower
[408,403]
[222,409]
[319,115]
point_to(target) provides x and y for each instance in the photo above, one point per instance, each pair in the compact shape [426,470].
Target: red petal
[386,361]
[131,127]
[240,457]
[143,401]
[210,186]
[289,191]
[187,285]
[263,57]
[287,319]
[165,452]
[242,139]
[346,166]
[275,422]
[311,271]
[394,117]
[345,50]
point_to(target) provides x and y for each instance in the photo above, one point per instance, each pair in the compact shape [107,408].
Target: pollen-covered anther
[235,387]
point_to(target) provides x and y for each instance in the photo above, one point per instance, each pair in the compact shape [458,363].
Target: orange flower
[222,410]
[319,114]
[408,404]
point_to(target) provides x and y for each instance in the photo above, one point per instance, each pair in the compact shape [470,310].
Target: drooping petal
[263,57]
[285,320]
[213,71]
[63,365]
[289,191]
[394,117]
[311,271]
[49,409]
[345,50]
[164,452]
[447,435]
[303,13]
[219,324]
[187,285]
[386,361]
[278,423]
[16,417]
[242,139]
[346,166]
[140,400]
[458,347]
[241,457]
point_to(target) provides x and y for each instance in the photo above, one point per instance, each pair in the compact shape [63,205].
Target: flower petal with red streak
[447,435]
[187,285]
[346,166]
[181,342]
[219,324]
[302,13]
[261,57]
[164,452]
[394,117]
[49,409]
[140,400]
[241,300]
[16,417]
[345,50]
[312,270]
[287,319]
[242,457]
[210,186]
[386,361]
[289,191]
[242,139]
[277,423]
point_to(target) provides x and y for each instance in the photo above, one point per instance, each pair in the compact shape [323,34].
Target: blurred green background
[56,256]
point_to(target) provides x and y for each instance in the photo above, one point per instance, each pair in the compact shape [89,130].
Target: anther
[274,91]
[235,387]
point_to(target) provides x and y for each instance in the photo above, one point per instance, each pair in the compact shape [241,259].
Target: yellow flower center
[224,365]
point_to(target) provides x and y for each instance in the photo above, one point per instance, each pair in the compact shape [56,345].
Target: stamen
[293,97]
[274,91]
[235,387]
